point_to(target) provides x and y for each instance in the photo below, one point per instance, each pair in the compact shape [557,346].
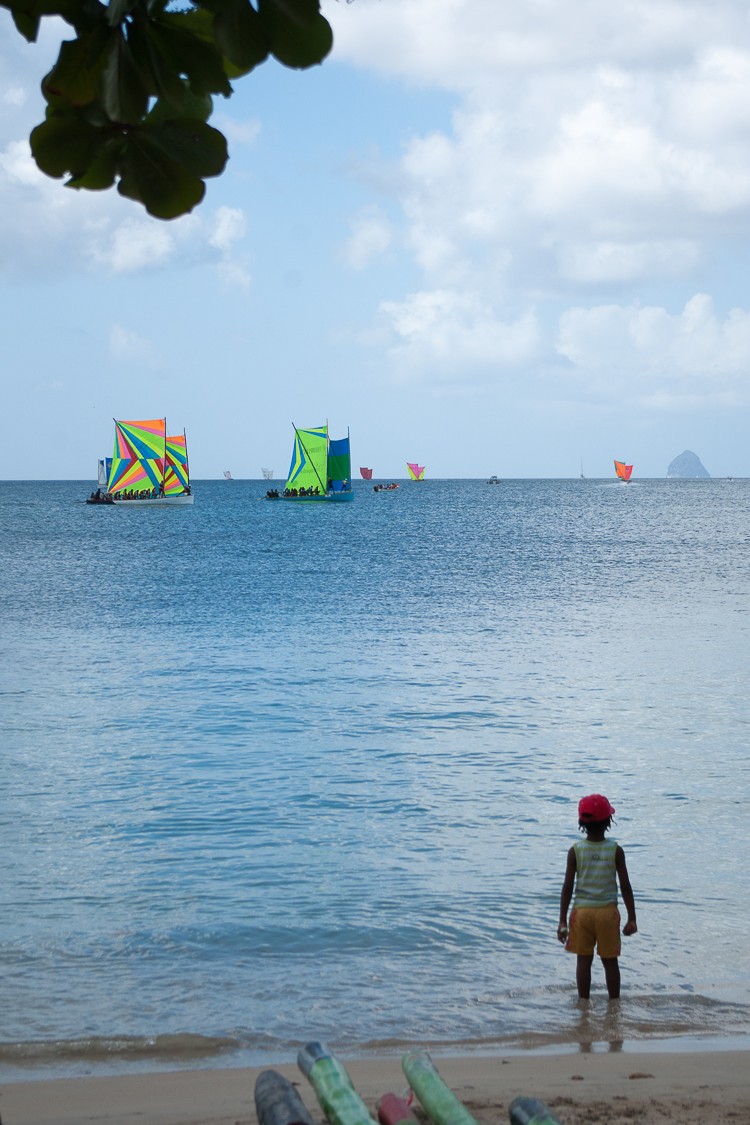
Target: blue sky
[487,237]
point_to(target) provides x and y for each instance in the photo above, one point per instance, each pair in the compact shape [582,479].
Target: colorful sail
[339,464]
[416,472]
[134,474]
[366,474]
[141,441]
[138,457]
[309,466]
[623,471]
[177,473]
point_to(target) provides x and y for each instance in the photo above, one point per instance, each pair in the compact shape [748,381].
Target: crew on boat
[297,492]
[100,497]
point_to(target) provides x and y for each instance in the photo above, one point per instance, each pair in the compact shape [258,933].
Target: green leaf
[158,74]
[124,95]
[64,144]
[295,42]
[198,107]
[143,56]
[117,10]
[27,25]
[150,176]
[193,144]
[102,171]
[198,21]
[191,55]
[241,34]
[301,11]
[76,74]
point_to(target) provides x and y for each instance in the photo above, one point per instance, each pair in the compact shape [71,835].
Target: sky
[489,237]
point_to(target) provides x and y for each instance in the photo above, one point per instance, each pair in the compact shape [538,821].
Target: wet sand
[614,1088]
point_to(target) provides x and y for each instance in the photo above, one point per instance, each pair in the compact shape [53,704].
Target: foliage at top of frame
[129,97]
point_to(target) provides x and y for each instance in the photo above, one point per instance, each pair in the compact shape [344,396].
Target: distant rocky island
[687,466]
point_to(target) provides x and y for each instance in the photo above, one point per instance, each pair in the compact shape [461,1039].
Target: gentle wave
[274,775]
[659,1018]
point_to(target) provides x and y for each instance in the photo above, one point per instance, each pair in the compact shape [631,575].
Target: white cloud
[131,246]
[14,96]
[605,262]
[126,346]
[228,225]
[591,149]
[451,337]
[694,355]
[371,236]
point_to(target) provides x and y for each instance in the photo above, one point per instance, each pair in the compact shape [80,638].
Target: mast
[187,462]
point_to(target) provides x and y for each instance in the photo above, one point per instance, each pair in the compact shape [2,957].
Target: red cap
[594,807]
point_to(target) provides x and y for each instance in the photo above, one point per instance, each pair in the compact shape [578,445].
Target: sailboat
[321,467]
[267,474]
[149,468]
[366,474]
[623,471]
[228,475]
[416,472]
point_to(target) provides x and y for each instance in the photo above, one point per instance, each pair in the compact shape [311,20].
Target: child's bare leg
[612,976]
[583,975]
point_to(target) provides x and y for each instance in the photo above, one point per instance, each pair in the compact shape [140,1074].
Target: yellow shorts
[594,926]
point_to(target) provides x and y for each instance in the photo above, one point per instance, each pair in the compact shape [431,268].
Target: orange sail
[623,471]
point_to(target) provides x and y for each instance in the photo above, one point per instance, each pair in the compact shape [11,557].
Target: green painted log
[530,1111]
[333,1087]
[440,1103]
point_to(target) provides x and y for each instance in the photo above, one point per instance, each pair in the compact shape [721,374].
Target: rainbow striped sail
[146,460]
[177,475]
[416,472]
[138,459]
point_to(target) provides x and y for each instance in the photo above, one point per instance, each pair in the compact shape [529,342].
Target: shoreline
[583,1088]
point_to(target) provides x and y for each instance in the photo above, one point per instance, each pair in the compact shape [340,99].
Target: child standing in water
[595,866]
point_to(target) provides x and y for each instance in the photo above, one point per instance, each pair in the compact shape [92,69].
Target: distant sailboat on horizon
[228,475]
[623,471]
[365,473]
[267,474]
[416,472]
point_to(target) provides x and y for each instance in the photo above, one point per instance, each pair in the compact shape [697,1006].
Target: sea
[281,772]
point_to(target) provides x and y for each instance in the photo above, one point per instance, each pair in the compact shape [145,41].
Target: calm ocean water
[274,773]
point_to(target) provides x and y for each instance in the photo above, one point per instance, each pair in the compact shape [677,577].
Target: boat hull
[157,502]
[326,498]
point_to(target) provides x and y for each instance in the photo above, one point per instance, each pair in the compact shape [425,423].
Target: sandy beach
[581,1089]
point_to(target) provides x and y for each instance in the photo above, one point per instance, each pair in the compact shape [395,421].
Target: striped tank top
[596,875]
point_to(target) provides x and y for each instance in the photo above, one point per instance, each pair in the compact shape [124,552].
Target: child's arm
[631,926]
[565,896]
